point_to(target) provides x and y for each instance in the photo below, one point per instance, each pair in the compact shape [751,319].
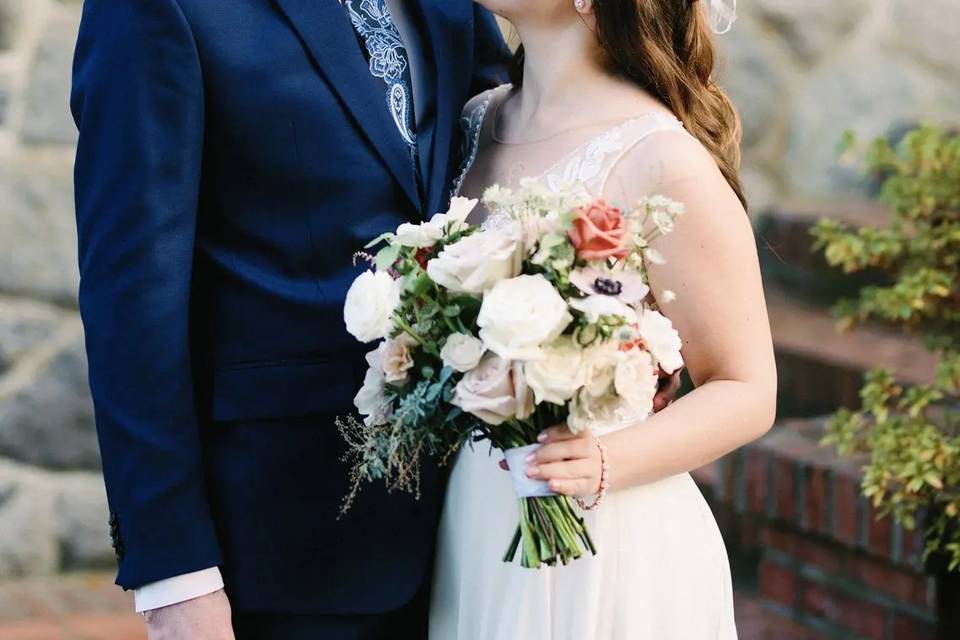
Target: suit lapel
[326,32]
[449,33]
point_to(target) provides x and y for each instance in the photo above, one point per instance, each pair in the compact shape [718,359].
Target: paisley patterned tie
[388,61]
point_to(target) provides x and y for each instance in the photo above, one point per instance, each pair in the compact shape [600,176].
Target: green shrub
[911,434]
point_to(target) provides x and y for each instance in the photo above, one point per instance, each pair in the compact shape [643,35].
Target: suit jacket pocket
[282,390]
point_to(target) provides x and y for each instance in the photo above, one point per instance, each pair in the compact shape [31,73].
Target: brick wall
[822,557]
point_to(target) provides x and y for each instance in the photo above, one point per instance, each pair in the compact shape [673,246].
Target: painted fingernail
[530,458]
[542,437]
[532,472]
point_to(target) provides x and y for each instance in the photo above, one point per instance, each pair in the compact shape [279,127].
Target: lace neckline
[585,162]
[582,164]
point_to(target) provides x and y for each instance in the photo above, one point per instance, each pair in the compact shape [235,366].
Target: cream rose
[462,352]
[369,306]
[494,391]
[396,358]
[661,339]
[557,375]
[521,314]
[635,380]
[477,262]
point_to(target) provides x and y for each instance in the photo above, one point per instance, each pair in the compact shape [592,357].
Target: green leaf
[387,256]
[389,235]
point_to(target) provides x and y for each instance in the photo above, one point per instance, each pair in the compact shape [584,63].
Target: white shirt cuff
[177,589]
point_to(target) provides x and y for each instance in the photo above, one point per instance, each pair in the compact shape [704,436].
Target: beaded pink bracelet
[604,481]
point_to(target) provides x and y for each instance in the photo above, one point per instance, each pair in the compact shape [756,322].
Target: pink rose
[599,232]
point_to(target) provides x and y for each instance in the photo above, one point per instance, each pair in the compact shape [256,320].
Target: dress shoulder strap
[635,132]
[591,163]
[471,129]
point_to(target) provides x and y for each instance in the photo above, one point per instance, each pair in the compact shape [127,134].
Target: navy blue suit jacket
[233,155]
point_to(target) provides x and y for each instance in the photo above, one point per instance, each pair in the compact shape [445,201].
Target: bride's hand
[569,462]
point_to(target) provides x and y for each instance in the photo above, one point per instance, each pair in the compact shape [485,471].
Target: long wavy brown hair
[666,48]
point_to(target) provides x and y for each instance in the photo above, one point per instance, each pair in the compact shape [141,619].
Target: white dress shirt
[206,581]
[177,589]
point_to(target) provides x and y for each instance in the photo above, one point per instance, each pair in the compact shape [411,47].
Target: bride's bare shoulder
[671,162]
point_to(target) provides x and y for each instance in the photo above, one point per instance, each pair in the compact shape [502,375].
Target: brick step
[821,368]
[784,243]
[795,522]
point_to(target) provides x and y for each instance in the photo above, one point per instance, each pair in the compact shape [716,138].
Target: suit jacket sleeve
[139,105]
[491,56]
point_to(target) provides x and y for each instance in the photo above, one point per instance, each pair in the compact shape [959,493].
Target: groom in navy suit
[233,155]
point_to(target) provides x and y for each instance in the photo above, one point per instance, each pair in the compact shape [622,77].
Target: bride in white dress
[617,95]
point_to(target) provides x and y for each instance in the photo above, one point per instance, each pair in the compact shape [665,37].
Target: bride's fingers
[568,470]
[579,488]
[574,448]
[556,433]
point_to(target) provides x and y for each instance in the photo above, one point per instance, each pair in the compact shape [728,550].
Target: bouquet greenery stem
[550,528]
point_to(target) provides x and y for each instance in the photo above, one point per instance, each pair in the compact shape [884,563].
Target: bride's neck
[561,66]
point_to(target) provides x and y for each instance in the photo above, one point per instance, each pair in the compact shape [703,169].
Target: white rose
[420,235]
[426,234]
[369,306]
[597,305]
[636,381]
[371,401]
[558,375]
[473,264]
[599,366]
[494,391]
[589,412]
[462,352]
[396,358]
[520,314]
[661,339]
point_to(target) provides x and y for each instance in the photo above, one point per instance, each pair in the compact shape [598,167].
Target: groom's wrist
[177,589]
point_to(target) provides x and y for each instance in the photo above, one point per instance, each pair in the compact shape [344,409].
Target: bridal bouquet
[497,331]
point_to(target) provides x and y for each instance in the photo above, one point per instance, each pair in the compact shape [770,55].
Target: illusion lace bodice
[584,157]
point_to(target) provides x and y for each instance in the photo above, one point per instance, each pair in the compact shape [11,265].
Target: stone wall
[803,71]
[52,505]
[800,72]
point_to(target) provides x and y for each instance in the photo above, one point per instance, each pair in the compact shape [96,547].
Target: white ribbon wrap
[721,14]
[524,486]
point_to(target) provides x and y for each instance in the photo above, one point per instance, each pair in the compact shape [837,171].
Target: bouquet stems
[550,529]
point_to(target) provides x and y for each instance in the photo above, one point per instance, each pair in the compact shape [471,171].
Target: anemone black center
[608,287]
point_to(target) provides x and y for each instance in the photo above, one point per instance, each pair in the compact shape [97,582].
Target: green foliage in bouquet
[423,425]
[911,434]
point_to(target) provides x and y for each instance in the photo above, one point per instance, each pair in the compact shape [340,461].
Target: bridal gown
[661,571]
